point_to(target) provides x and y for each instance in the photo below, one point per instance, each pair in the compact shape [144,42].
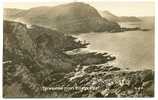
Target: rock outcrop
[102,81]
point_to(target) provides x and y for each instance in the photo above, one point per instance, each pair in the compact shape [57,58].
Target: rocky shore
[35,65]
[102,81]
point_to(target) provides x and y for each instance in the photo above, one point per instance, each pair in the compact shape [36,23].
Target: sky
[117,7]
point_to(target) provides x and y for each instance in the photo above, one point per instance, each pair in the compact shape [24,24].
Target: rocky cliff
[32,54]
[34,62]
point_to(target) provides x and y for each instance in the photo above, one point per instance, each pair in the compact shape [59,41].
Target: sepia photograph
[78,49]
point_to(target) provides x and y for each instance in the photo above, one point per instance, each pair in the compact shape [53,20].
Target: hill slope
[12,13]
[129,19]
[111,17]
[70,18]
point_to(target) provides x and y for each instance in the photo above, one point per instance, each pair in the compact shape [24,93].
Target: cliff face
[32,54]
[42,44]
[34,59]
[69,18]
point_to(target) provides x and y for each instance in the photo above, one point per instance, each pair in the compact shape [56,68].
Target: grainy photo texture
[78,48]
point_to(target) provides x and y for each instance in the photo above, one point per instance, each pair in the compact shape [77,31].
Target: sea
[134,50]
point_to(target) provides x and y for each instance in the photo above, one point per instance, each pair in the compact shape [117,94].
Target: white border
[156,53]
[156,49]
[1,44]
[73,0]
